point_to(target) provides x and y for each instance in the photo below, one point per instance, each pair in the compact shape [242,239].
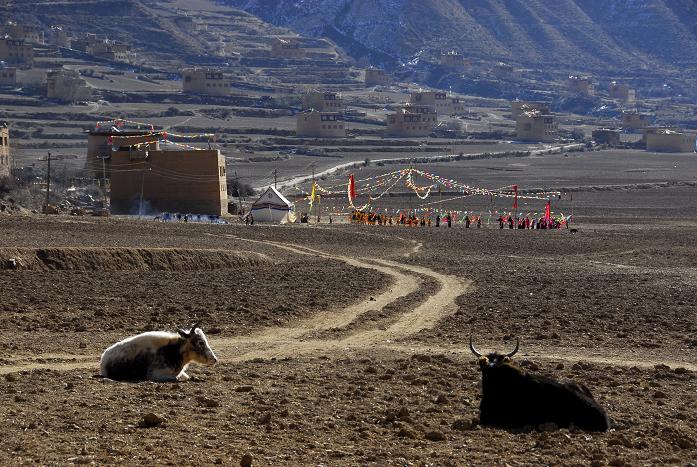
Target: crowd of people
[469,221]
[411,220]
[186,218]
[528,223]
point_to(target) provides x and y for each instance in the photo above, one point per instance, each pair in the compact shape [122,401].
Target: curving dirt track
[297,339]
[293,340]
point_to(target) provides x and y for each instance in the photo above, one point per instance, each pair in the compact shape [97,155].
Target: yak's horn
[474,350]
[517,345]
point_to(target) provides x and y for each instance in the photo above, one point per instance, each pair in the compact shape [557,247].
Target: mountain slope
[574,34]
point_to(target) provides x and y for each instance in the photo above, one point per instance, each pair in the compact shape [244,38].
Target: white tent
[272,206]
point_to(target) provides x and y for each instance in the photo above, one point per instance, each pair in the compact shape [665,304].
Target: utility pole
[48,182]
[104,180]
[275,178]
[239,191]
[142,182]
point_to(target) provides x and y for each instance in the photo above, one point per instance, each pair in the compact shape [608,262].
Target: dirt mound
[125,259]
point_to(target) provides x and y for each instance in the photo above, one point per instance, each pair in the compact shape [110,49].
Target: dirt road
[300,338]
[296,339]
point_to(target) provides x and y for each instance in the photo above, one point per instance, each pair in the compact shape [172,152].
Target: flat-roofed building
[376,77]
[24,32]
[608,136]
[8,76]
[536,126]
[622,92]
[16,51]
[669,140]
[84,43]
[315,124]
[518,107]
[288,48]
[180,181]
[454,60]
[101,47]
[110,50]
[5,153]
[205,81]
[100,144]
[59,36]
[632,120]
[323,101]
[67,86]
[441,102]
[411,121]
[581,85]
[506,71]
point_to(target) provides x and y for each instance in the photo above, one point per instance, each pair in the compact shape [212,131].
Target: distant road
[297,180]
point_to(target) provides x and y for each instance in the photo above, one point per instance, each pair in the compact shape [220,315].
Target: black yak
[514,399]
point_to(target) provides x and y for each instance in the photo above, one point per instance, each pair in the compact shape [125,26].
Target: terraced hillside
[586,34]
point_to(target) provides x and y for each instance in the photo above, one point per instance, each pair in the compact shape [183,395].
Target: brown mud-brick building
[506,71]
[622,92]
[316,124]
[23,32]
[101,47]
[607,136]
[519,107]
[5,155]
[454,60]
[323,101]
[411,121]
[581,85]
[669,140]
[8,76]
[67,86]
[184,181]
[59,36]
[100,145]
[376,77]
[16,51]
[635,121]
[287,48]
[205,81]
[536,126]
[440,101]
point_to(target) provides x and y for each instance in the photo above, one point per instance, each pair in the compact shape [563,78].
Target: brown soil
[343,345]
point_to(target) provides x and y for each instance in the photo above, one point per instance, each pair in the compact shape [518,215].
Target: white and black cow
[157,356]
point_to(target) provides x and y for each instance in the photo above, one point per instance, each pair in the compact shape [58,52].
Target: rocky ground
[343,345]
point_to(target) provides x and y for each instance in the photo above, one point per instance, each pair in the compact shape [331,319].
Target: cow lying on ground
[156,356]
[512,398]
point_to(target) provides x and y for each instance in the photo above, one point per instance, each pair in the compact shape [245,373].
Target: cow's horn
[193,328]
[474,351]
[517,344]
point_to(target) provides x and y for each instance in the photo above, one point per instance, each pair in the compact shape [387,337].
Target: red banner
[515,198]
[548,210]
[351,188]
